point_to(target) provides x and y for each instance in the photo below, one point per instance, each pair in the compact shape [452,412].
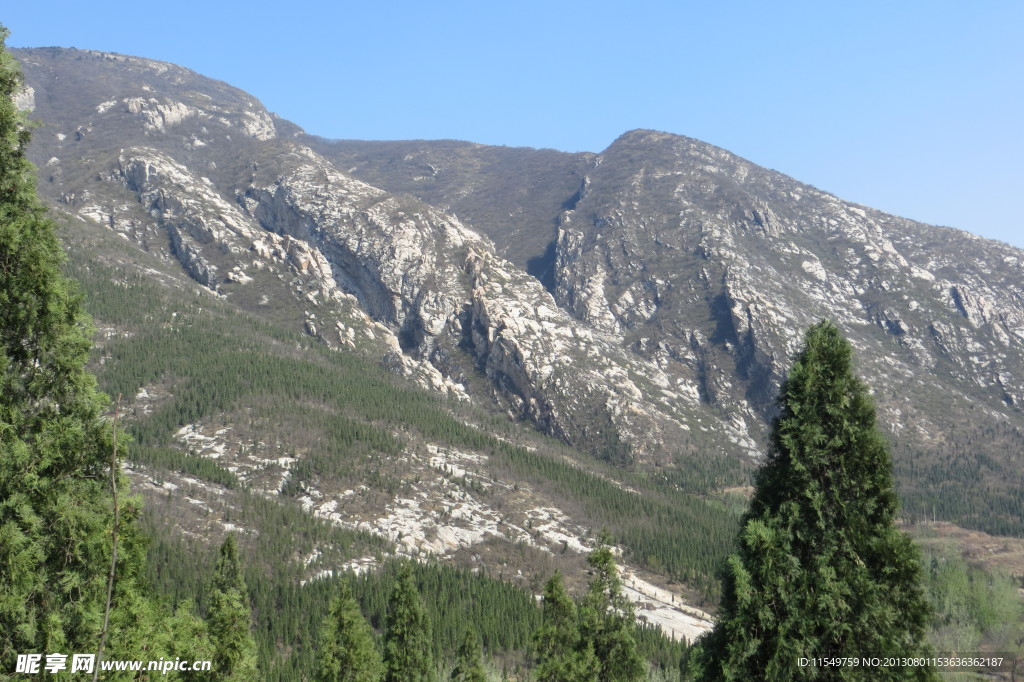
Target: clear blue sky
[911,107]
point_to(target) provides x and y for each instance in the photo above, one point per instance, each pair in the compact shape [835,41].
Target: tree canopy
[562,655]
[348,652]
[469,665]
[55,447]
[230,618]
[821,572]
[407,634]
[607,620]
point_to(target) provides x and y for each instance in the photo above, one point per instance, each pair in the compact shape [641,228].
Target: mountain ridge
[639,305]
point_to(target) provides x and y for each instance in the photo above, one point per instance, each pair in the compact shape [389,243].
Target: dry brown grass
[976,547]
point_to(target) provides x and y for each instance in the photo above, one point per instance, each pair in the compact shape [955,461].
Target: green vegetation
[970,476]
[290,614]
[562,654]
[469,665]
[230,618]
[821,570]
[347,650]
[597,641]
[607,622]
[408,655]
[974,609]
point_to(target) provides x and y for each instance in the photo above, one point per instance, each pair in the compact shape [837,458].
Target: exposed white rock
[158,116]
[657,606]
[25,98]
[258,124]
[814,269]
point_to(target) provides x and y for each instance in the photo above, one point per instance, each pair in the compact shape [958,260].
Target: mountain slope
[709,266]
[248,294]
[514,194]
[638,306]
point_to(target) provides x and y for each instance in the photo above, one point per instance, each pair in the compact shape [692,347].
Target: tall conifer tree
[607,621]
[469,665]
[407,634]
[230,618]
[347,650]
[821,571]
[562,655]
[55,448]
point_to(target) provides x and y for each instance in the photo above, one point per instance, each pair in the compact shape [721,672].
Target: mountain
[708,267]
[487,354]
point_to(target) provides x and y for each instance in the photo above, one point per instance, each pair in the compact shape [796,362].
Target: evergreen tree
[821,571]
[56,517]
[407,634]
[347,649]
[230,618]
[469,665]
[562,655]
[607,621]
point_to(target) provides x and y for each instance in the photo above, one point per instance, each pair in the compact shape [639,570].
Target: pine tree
[230,618]
[562,656]
[56,519]
[821,571]
[469,665]
[347,650]
[407,634]
[607,621]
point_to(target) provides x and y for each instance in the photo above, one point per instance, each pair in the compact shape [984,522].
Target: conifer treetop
[407,635]
[230,618]
[820,569]
[347,651]
[826,456]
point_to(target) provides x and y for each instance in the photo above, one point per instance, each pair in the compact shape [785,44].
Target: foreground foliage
[57,452]
[607,621]
[230,618]
[347,650]
[596,642]
[469,665]
[821,570]
[562,654]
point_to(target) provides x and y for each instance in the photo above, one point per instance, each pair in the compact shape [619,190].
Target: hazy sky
[911,107]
